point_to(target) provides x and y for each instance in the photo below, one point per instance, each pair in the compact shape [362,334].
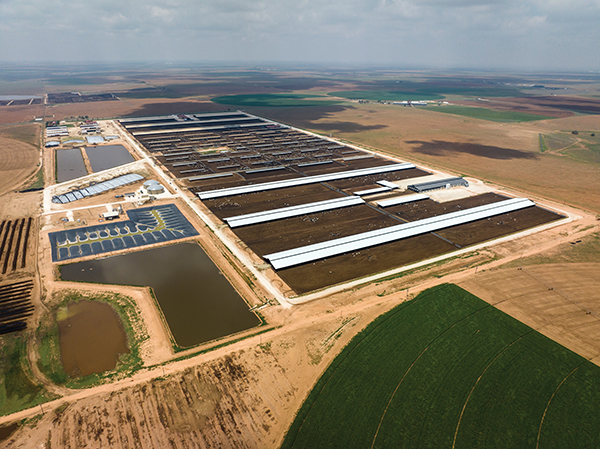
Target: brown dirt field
[20,114]
[18,161]
[427,208]
[280,235]
[360,182]
[577,104]
[14,205]
[578,122]
[559,300]
[506,154]
[312,170]
[500,225]
[270,199]
[527,105]
[237,179]
[29,132]
[270,176]
[342,268]
[240,397]
[129,107]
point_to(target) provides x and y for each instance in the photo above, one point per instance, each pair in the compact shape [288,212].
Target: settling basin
[69,165]
[108,156]
[7,431]
[197,301]
[91,338]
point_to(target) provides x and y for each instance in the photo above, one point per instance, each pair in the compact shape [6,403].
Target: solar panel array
[311,253]
[97,188]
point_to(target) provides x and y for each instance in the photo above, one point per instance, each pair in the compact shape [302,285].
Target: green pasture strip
[17,389]
[386,95]
[273,100]
[445,367]
[488,114]
[558,140]
[472,91]
[49,355]
[543,146]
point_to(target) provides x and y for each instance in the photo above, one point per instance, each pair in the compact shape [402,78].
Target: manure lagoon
[197,301]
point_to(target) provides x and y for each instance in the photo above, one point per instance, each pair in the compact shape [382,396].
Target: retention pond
[108,156]
[91,338]
[69,165]
[197,301]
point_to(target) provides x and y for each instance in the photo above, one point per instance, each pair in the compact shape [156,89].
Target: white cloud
[450,32]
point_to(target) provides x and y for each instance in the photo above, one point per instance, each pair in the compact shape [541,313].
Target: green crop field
[386,95]
[488,114]
[448,370]
[275,100]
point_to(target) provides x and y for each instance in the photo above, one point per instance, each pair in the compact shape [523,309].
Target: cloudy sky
[505,34]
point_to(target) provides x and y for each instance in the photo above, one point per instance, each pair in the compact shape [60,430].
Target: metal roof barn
[292,211]
[310,253]
[438,184]
[301,181]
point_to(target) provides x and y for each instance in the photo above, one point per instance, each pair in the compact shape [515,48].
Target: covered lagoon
[198,302]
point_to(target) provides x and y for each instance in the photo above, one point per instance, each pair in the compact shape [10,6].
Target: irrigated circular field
[18,160]
[449,370]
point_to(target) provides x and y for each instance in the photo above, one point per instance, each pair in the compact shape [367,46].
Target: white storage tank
[150,182]
[155,189]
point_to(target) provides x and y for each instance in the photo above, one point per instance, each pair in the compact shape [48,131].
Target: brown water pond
[69,165]
[7,431]
[108,156]
[91,338]
[197,301]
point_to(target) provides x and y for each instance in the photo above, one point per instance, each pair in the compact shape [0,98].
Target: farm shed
[438,184]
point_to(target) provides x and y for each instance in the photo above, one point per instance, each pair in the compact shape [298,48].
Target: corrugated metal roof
[302,181]
[310,253]
[438,184]
[372,191]
[292,211]
[402,200]
[97,188]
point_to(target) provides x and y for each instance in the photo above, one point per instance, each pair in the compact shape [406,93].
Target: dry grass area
[507,154]
[242,396]
[516,105]
[18,161]
[559,300]
[246,394]
[20,114]
[130,107]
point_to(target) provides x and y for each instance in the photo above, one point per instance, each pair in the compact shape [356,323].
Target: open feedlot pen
[261,166]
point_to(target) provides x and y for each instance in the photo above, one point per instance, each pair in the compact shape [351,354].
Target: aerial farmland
[183,267]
